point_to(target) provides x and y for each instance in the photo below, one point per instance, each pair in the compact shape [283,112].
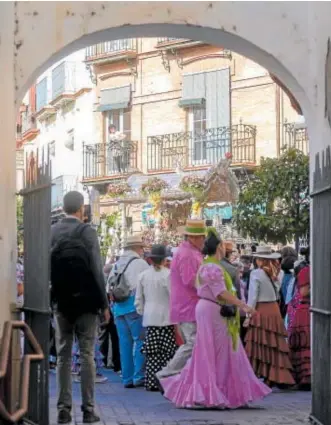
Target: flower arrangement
[166,237]
[193,184]
[153,186]
[118,190]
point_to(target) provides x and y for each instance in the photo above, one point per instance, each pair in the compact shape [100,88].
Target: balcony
[186,150]
[28,129]
[178,43]
[112,51]
[104,161]
[295,135]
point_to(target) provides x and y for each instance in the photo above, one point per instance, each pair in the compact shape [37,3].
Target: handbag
[226,311]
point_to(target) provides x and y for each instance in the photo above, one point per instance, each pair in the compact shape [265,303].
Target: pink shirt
[183,272]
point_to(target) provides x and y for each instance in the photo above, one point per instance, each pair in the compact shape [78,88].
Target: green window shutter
[194,89]
[218,98]
[116,98]
[218,114]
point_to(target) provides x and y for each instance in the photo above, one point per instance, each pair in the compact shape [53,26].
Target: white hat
[134,240]
[266,252]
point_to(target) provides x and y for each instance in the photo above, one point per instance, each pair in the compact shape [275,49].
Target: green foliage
[19,222]
[110,221]
[274,205]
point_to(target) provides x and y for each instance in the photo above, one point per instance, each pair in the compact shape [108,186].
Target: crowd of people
[201,324]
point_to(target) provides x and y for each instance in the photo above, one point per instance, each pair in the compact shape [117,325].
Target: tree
[274,205]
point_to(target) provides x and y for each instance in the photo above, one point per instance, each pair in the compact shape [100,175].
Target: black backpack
[73,288]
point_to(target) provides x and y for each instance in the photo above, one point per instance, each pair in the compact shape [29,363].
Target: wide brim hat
[158,251]
[266,252]
[193,228]
[134,240]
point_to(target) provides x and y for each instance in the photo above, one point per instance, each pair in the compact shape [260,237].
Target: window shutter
[218,113]
[58,80]
[41,94]
[218,98]
[194,89]
[116,98]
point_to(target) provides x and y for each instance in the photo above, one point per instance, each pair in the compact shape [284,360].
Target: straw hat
[134,240]
[266,252]
[194,228]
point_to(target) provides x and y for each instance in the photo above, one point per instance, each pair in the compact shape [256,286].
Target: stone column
[8,112]
[123,224]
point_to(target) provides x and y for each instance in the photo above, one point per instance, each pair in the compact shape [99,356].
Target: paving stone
[118,406]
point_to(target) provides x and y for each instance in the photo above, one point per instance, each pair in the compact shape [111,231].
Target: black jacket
[64,228]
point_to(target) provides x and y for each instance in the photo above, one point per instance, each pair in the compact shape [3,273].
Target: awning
[110,107]
[186,103]
[115,98]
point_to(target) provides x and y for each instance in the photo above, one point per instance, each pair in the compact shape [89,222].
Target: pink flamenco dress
[219,374]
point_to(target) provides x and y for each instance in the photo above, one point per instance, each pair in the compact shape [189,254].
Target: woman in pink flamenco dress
[219,374]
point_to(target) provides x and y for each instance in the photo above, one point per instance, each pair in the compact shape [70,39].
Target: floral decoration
[228,155]
[118,190]
[193,184]
[153,186]
[166,237]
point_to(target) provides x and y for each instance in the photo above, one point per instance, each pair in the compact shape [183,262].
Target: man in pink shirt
[183,293]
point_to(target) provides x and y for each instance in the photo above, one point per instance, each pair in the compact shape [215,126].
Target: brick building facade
[182,105]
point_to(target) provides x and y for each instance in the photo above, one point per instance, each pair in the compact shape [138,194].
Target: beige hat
[266,252]
[194,228]
[134,240]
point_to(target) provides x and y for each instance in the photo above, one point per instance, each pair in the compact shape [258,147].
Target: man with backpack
[78,296]
[122,285]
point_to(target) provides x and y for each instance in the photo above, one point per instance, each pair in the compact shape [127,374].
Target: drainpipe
[277,107]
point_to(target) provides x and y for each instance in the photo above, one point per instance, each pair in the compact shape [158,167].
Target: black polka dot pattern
[159,347]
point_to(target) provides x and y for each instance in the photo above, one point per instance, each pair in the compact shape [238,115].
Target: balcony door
[197,127]
[121,119]
[118,150]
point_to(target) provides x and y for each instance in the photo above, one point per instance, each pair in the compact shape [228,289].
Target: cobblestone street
[119,406]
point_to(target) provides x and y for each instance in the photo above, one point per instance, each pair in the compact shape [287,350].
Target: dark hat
[158,251]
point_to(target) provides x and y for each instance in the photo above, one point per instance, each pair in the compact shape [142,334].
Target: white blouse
[261,289]
[152,297]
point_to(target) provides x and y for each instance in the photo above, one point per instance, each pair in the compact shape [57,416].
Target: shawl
[232,323]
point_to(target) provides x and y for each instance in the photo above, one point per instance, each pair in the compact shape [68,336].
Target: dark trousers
[110,330]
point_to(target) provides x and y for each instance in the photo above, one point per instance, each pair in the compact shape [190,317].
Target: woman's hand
[248,310]
[246,322]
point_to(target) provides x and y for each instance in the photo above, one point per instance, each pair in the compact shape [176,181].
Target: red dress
[299,331]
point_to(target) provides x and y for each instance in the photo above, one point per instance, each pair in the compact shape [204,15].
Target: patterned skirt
[159,347]
[299,343]
[266,345]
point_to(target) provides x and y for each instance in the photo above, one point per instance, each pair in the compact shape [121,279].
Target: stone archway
[34,35]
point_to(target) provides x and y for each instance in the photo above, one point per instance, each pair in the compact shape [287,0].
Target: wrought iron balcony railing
[176,42]
[27,130]
[295,136]
[104,160]
[187,150]
[162,40]
[107,48]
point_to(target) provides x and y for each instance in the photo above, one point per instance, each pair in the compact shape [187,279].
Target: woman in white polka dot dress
[152,302]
